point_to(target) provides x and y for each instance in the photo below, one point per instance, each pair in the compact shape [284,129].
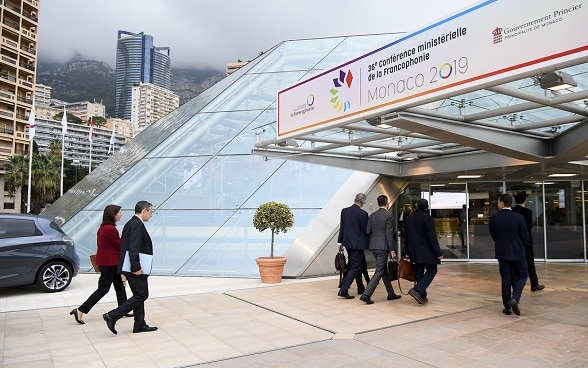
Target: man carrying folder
[136,253]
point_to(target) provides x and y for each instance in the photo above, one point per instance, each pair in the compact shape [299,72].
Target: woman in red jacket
[107,254]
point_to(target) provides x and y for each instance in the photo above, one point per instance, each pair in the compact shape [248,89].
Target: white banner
[486,42]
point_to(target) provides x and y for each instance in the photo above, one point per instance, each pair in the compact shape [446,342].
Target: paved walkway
[212,322]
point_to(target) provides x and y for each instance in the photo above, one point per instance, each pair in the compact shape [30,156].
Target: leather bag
[392,269]
[340,265]
[406,270]
[340,262]
[93,261]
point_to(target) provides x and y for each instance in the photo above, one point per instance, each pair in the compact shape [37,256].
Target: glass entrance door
[482,204]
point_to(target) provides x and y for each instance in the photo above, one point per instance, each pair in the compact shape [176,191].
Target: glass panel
[299,184]
[483,202]
[534,193]
[229,250]
[563,214]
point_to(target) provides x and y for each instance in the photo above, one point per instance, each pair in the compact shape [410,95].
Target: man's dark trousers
[355,259]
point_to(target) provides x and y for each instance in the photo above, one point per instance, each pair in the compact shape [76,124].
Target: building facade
[42,95]
[77,143]
[18,62]
[121,127]
[138,61]
[85,109]
[82,110]
[150,103]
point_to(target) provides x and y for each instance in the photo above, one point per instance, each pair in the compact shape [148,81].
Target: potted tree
[279,219]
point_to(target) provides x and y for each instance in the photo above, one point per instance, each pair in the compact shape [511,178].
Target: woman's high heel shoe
[75,314]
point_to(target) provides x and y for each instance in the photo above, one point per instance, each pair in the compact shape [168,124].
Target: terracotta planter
[271,269]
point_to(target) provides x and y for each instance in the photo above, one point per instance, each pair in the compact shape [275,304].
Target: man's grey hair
[360,198]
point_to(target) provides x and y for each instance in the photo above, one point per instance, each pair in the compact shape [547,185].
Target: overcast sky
[211,33]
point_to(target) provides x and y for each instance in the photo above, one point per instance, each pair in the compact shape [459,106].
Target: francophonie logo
[344,79]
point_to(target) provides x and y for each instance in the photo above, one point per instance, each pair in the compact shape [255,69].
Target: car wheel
[54,276]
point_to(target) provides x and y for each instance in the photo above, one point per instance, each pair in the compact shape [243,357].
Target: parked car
[35,250]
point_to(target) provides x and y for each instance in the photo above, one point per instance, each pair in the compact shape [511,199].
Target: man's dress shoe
[345,295]
[145,328]
[109,323]
[366,299]
[417,296]
[508,312]
[537,288]
[514,306]
[393,296]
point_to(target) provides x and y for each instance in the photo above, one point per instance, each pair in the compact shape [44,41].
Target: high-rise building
[150,103]
[138,61]
[18,65]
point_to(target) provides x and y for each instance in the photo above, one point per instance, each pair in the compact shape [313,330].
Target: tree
[46,180]
[99,121]
[55,147]
[275,216]
[71,118]
[17,176]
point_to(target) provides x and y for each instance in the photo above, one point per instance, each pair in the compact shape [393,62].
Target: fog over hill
[91,80]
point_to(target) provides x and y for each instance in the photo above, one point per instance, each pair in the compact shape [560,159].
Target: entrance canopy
[498,90]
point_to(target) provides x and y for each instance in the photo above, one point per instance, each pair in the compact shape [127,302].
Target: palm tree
[46,179]
[17,175]
[55,147]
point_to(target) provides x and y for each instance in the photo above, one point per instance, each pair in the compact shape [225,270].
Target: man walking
[353,236]
[509,232]
[137,248]
[380,228]
[423,248]
[520,208]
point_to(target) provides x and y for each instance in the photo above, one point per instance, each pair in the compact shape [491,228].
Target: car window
[17,228]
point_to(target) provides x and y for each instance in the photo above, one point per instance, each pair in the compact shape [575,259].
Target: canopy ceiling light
[561,175]
[469,176]
[377,122]
[556,81]
[288,143]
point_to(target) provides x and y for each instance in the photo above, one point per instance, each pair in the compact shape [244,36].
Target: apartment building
[18,66]
[149,104]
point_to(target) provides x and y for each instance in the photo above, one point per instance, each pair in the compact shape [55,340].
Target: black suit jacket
[509,232]
[353,227]
[421,238]
[135,239]
[528,215]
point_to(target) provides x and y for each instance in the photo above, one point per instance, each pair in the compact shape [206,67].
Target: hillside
[90,80]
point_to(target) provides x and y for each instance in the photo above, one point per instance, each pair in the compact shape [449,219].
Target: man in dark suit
[423,249]
[509,232]
[134,240]
[353,236]
[380,228]
[520,208]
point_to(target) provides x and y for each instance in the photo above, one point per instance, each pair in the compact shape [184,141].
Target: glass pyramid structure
[195,165]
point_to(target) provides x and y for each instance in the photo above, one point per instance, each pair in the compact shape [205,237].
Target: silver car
[35,250]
